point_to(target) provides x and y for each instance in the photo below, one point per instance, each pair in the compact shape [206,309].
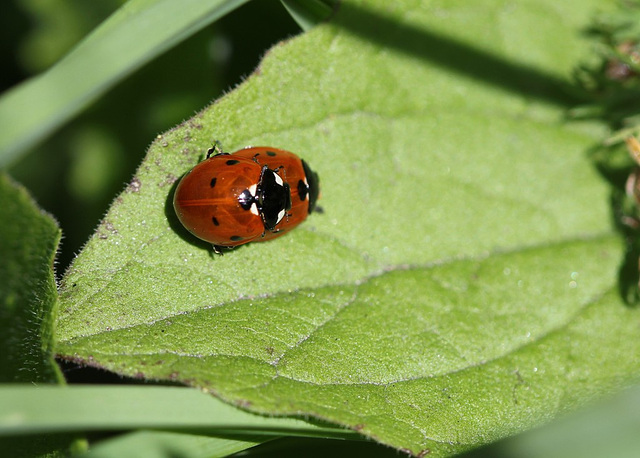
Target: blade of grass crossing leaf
[30,410]
[136,33]
[161,444]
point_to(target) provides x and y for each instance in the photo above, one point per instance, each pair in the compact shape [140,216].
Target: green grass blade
[162,444]
[136,33]
[46,409]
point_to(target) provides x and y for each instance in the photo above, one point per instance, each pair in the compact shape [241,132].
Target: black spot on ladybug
[213,182]
[236,238]
[303,190]
[271,153]
[232,161]
[215,221]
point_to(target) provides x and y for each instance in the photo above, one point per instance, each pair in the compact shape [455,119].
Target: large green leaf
[462,282]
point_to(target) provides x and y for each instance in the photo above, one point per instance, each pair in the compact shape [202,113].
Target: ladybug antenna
[284,171]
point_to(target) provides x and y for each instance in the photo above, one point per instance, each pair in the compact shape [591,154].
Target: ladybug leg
[216,149]
[220,249]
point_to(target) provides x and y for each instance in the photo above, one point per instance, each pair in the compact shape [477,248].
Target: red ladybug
[255,194]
